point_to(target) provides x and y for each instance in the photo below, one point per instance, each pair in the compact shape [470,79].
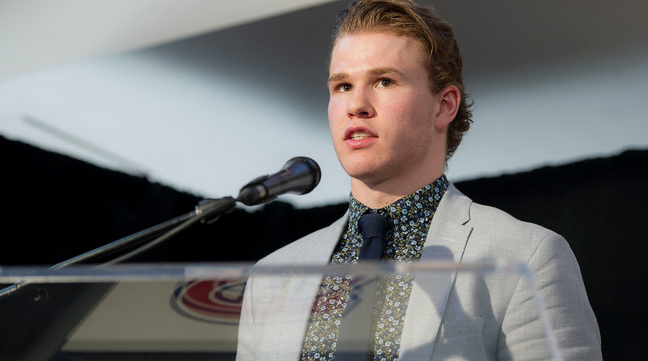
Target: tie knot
[374,228]
[373,225]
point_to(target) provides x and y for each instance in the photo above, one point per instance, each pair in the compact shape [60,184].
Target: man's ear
[449,101]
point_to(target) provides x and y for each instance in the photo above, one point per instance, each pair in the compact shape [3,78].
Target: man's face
[381,109]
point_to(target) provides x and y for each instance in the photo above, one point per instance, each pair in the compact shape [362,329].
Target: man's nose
[360,104]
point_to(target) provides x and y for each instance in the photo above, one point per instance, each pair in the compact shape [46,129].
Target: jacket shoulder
[495,229]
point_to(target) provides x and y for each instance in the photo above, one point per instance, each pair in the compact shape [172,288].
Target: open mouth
[358,133]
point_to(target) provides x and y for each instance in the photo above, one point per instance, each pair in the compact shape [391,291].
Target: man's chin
[361,172]
[367,170]
[369,177]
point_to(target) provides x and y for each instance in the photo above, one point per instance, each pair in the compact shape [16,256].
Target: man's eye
[385,82]
[344,87]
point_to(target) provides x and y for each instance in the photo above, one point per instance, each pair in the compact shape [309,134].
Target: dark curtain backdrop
[55,207]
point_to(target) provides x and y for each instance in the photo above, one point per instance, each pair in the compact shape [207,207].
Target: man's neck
[378,195]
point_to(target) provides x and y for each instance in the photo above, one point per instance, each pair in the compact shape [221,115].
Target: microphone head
[299,175]
[308,172]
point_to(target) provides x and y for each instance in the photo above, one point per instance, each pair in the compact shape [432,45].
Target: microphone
[299,175]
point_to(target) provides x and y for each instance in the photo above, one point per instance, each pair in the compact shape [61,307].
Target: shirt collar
[424,199]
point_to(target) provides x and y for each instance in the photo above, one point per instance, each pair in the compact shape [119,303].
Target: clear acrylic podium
[164,311]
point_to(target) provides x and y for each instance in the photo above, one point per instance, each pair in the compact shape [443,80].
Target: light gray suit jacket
[452,316]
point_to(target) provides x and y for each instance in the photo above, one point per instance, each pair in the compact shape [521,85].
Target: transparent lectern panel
[192,312]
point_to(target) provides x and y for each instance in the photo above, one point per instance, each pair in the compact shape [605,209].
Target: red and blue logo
[216,301]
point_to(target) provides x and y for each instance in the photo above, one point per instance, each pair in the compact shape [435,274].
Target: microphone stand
[207,211]
[299,175]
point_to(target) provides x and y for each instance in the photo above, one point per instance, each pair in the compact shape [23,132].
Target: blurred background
[206,95]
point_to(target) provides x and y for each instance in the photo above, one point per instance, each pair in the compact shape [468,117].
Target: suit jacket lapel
[296,312]
[445,242]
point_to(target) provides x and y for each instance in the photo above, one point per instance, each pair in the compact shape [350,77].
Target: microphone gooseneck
[299,175]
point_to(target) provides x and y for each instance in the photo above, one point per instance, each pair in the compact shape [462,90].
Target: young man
[397,111]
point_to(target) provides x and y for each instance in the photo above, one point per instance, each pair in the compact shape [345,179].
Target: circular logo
[210,300]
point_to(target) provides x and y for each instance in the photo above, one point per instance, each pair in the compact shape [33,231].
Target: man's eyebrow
[333,78]
[385,70]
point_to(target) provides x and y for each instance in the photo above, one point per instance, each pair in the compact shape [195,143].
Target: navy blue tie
[374,228]
[354,338]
